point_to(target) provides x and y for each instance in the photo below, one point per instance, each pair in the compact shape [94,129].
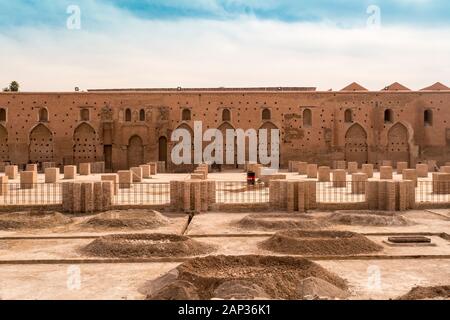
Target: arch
[2,115]
[142,115]
[226,115]
[356,147]
[135,151]
[348,116]
[84,114]
[271,147]
[266,115]
[187,167]
[228,146]
[307,118]
[186,115]
[41,144]
[428,117]
[85,144]
[43,115]
[127,115]
[388,116]
[162,149]
[398,144]
[4,148]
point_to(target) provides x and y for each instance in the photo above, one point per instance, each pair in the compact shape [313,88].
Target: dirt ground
[35,267]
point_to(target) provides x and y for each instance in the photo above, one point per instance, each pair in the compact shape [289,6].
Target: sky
[49,45]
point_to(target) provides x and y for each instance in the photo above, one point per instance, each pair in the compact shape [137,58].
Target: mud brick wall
[293,196]
[390,195]
[192,196]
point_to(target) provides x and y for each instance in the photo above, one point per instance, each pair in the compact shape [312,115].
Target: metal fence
[236,192]
[433,192]
[143,194]
[31,194]
[341,191]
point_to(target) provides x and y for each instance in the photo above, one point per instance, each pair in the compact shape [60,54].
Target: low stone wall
[87,197]
[391,195]
[192,195]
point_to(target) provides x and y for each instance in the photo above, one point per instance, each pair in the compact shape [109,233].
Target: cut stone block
[367,168]
[146,172]
[28,179]
[52,175]
[85,169]
[32,167]
[324,174]
[311,171]
[114,178]
[4,185]
[422,170]
[339,178]
[401,166]
[125,179]
[386,173]
[137,174]
[352,167]
[70,172]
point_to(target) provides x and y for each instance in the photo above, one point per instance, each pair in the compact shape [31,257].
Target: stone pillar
[302,168]
[85,169]
[422,170]
[98,196]
[410,174]
[125,179]
[324,174]
[311,171]
[4,185]
[291,195]
[432,165]
[87,197]
[187,196]
[352,167]
[339,178]
[28,179]
[372,194]
[146,172]
[445,169]
[108,194]
[386,163]
[386,172]
[359,181]
[114,178]
[401,166]
[70,172]
[52,175]
[137,174]
[153,168]
[367,169]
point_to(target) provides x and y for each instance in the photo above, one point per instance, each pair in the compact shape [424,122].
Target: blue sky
[323,43]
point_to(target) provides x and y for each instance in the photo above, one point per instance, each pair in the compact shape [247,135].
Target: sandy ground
[368,278]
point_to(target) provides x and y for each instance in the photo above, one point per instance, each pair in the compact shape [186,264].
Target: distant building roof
[436,87]
[354,87]
[396,87]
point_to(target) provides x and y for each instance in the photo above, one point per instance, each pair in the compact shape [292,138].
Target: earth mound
[281,222]
[244,277]
[135,219]
[332,243]
[422,293]
[32,220]
[146,245]
[368,218]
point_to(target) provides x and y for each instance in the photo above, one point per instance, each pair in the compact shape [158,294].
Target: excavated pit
[326,243]
[368,218]
[247,277]
[281,222]
[128,219]
[146,246]
[32,220]
[423,293]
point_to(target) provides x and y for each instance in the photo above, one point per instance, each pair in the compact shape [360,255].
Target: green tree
[14,86]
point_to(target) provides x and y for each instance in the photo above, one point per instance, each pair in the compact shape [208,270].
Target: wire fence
[433,192]
[235,192]
[143,194]
[31,194]
[341,191]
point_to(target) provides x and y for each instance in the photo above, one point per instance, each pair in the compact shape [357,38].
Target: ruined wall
[126,128]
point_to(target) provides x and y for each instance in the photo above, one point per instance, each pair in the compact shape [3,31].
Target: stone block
[311,171]
[359,181]
[352,167]
[85,169]
[125,179]
[137,174]
[146,172]
[301,168]
[114,178]
[422,170]
[401,166]
[28,179]
[12,172]
[32,167]
[339,178]
[386,173]
[410,174]
[52,175]
[324,174]
[70,172]
[367,168]
[4,185]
